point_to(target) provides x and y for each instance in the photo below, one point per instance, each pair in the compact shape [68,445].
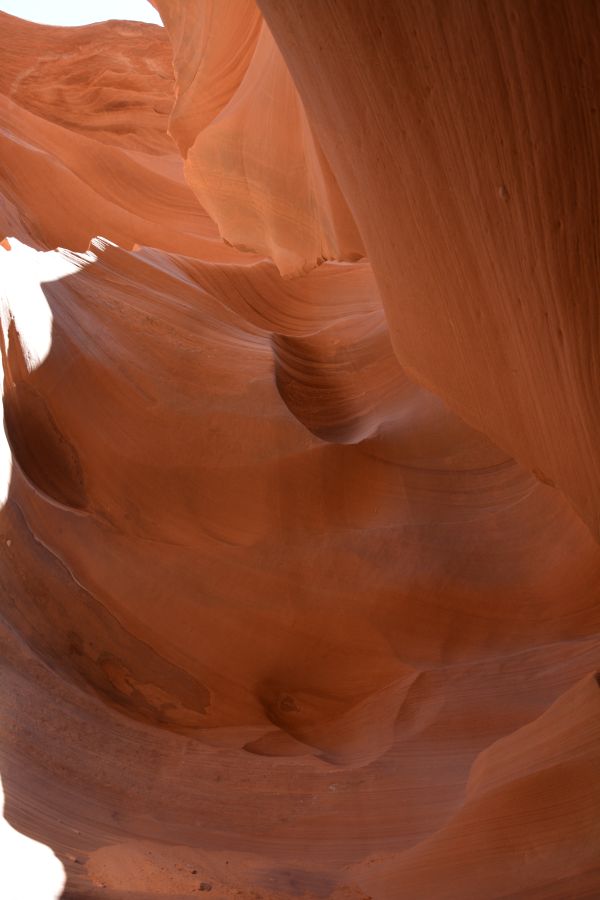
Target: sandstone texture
[299,474]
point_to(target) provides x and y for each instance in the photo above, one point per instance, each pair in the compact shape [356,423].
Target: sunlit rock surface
[299,472]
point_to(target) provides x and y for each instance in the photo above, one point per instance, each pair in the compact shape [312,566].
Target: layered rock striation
[300,568]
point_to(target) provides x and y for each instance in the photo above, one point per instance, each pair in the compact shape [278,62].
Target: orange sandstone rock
[299,547]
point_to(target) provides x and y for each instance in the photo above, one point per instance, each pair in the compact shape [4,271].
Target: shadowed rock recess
[300,469]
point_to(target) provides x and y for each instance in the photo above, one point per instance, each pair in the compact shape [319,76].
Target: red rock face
[300,570]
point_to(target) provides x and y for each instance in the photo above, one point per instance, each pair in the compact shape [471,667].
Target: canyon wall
[300,484]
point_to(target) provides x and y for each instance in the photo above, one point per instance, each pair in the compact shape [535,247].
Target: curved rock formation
[299,545]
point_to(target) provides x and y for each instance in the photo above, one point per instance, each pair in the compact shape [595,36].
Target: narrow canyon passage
[300,576]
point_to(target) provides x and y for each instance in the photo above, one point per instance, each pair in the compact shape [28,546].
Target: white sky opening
[23,271]
[76,12]
[30,870]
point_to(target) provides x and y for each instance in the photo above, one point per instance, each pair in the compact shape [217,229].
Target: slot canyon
[300,467]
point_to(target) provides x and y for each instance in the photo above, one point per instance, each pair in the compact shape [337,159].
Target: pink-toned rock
[299,548]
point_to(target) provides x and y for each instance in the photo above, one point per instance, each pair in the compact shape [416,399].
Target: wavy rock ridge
[300,569]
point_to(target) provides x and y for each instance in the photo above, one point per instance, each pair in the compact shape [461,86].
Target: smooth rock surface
[299,479]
